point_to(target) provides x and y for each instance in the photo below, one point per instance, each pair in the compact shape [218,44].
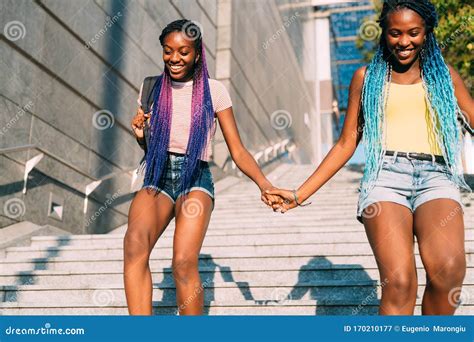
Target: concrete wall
[71,74]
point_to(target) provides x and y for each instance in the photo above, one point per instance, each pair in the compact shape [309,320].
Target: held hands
[286,199]
[270,200]
[138,123]
[280,200]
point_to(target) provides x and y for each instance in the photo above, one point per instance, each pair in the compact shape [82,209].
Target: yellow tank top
[408,123]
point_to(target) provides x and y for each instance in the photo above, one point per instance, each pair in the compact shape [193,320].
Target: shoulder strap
[149,84]
[465,123]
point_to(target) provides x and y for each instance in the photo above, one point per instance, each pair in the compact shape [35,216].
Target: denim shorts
[170,182]
[410,182]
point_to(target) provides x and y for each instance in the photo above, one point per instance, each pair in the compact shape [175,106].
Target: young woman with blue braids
[177,180]
[405,104]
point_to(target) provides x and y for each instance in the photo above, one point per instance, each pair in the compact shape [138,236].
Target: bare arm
[463,96]
[242,158]
[340,153]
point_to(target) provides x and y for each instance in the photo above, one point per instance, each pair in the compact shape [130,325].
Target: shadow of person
[338,289]
[208,269]
[30,277]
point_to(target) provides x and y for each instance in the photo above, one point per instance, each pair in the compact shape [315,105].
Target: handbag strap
[149,84]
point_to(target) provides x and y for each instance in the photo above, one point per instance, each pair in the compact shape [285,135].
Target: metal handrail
[62,161]
[89,188]
[282,145]
[49,154]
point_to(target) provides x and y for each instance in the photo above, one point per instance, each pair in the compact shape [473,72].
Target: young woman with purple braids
[406,104]
[177,180]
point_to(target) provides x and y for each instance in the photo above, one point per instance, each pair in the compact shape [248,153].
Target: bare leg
[390,233]
[192,219]
[439,228]
[148,217]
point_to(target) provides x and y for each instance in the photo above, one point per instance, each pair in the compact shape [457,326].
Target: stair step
[302,249]
[289,276]
[108,295]
[213,308]
[288,238]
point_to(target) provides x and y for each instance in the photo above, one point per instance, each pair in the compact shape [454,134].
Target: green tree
[455,34]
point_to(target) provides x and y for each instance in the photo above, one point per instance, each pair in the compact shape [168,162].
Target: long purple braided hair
[202,114]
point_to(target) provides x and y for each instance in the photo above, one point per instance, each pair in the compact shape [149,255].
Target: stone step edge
[15,260]
[255,304]
[203,269]
[215,285]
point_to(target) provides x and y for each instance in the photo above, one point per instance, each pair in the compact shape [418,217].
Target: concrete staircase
[313,260]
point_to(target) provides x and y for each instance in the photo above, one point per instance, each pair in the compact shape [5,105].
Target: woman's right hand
[288,199]
[138,123]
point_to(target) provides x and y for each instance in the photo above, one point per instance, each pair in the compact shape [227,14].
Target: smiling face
[179,56]
[405,34]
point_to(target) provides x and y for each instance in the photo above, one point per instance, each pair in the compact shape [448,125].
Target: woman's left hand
[287,199]
[270,200]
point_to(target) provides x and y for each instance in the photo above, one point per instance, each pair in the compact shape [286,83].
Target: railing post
[30,164]
[89,188]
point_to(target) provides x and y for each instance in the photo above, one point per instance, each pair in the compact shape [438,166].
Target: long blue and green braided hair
[440,98]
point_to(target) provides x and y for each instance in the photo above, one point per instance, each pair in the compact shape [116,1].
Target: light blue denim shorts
[171,180]
[410,182]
